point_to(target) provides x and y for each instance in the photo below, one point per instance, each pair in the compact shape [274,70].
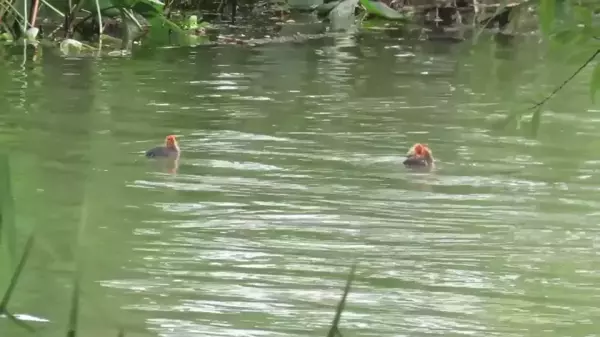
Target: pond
[291,170]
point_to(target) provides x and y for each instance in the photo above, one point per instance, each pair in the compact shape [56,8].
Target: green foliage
[547,13]
[577,30]
[146,8]
[567,25]
[380,9]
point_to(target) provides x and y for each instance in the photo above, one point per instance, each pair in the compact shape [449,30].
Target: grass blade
[13,284]
[17,273]
[8,230]
[334,330]
[74,312]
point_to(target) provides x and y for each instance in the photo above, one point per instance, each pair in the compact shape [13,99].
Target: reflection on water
[291,169]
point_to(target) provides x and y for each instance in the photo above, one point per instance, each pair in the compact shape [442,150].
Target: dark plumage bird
[419,157]
[170,149]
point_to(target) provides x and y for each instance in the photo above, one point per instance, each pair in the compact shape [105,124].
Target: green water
[291,170]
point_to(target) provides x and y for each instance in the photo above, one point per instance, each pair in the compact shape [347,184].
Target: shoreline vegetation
[118,26]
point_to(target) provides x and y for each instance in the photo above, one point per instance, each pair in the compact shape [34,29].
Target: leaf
[595,84]
[583,15]
[380,9]
[148,8]
[585,34]
[547,13]
[579,55]
[560,10]
[566,36]
[171,24]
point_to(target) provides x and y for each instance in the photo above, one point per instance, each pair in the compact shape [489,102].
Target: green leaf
[547,13]
[566,36]
[122,3]
[148,8]
[585,34]
[382,10]
[595,84]
[579,55]
[560,9]
[583,15]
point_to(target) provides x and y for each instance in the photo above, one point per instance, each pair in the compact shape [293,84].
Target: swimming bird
[170,149]
[419,157]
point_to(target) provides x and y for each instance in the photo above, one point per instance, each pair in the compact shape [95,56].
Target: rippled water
[291,170]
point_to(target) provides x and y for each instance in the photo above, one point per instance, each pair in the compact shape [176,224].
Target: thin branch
[562,85]
[52,8]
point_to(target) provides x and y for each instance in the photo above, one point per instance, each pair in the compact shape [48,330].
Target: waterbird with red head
[170,149]
[419,157]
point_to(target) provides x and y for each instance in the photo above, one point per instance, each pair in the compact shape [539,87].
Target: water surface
[291,170]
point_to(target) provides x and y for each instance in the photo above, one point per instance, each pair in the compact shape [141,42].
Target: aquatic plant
[18,20]
[144,18]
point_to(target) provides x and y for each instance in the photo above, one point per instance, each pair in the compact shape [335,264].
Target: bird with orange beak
[419,157]
[170,149]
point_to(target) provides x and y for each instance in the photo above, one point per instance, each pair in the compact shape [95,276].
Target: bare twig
[563,84]
[535,118]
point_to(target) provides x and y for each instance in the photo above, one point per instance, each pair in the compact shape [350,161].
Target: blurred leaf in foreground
[595,84]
